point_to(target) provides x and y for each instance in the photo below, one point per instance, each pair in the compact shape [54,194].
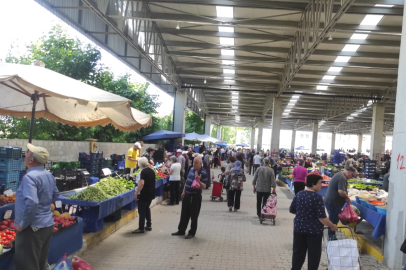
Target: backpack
[236,180]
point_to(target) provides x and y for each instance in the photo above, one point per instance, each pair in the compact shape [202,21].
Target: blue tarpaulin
[242,144]
[374,218]
[223,144]
[163,135]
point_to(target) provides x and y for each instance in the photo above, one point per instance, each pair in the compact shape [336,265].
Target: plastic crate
[22,173]
[12,185]
[94,180]
[117,157]
[130,206]
[9,177]
[106,162]
[120,165]
[7,164]
[22,167]
[48,165]
[1,189]
[91,221]
[64,185]
[10,152]
[116,216]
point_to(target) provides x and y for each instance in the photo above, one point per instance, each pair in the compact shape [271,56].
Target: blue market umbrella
[163,135]
[242,145]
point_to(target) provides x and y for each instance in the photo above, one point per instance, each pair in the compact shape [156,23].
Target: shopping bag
[79,264]
[63,263]
[195,184]
[343,254]
[348,214]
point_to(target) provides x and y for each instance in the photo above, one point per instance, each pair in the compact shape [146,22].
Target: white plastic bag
[343,255]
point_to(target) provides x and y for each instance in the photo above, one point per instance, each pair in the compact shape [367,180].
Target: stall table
[68,240]
[93,213]
[377,220]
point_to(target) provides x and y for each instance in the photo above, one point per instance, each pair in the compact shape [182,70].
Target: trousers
[299,186]
[333,212]
[31,248]
[145,214]
[234,198]
[262,197]
[174,191]
[191,205]
[256,166]
[306,243]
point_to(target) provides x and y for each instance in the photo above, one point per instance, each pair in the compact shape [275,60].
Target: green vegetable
[356,210]
[111,186]
[92,194]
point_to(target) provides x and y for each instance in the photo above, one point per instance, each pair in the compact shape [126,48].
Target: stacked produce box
[118,161]
[370,169]
[91,162]
[338,157]
[11,167]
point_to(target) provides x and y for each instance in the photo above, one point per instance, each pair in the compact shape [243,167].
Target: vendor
[132,158]
[349,162]
[308,162]
[385,184]
[148,154]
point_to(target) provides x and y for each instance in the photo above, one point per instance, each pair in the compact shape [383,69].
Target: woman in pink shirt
[300,174]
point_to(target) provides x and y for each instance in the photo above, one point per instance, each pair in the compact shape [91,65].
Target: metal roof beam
[293,5]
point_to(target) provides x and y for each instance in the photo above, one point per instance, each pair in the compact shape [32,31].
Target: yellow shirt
[134,154]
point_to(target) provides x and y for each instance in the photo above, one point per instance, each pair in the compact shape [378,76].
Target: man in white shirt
[181,160]
[257,161]
[223,153]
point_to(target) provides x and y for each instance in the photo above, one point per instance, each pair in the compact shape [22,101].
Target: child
[222,176]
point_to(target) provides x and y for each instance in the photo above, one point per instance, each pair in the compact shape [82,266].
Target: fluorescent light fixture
[227,62]
[354,114]
[321,87]
[226,29]
[350,117]
[229,71]
[226,41]
[225,12]
[335,69]
[359,36]
[295,96]
[228,78]
[285,113]
[388,6]
[327,77]
[371,19]
[350,48]
[227,52]
[343,59]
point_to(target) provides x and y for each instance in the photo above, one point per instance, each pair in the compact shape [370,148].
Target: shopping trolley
[342,250]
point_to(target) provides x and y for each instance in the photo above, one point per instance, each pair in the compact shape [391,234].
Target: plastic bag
[63,264]
[79,264]
[195,184]
[348,214]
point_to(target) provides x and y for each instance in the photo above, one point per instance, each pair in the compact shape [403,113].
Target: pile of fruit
[326,178]
[7,224]
[62,222]
[324,184]
[7,199]
[7,237]
[159,175]
[361,186]
[315,172]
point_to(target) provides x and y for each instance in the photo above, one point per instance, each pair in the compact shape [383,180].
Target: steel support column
[252,138]
[315,129]
[276,127]
[260,133]
[292,145]
[377,131]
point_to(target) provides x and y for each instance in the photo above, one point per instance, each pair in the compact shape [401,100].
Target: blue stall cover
[106,207]
[242,144]
[6,207]
[163,135]
[374,218]
[223,144]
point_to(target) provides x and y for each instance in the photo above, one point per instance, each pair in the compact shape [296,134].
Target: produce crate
[7,164]
[48,165]
[65,185]
[121,165]
[117,157]
[22,167]
[90,216]
[12,185]
[10,152]
[9,177]
[107,162]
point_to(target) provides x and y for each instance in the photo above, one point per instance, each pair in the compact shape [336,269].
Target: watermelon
[356,210]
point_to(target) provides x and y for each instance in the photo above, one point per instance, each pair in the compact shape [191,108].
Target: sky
[33,21]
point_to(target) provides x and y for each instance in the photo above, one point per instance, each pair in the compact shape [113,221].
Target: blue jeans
[333,212]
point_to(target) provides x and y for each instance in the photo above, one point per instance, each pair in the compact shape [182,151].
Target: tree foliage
[79,61]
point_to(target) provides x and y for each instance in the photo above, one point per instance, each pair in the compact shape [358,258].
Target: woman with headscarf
[206,166]
[236,179]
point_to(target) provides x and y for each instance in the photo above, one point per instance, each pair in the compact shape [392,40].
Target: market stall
[65,240]
[377,220]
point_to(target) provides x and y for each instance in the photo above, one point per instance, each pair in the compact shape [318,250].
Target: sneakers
[178,233]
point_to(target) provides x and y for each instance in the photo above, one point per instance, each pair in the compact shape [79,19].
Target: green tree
[82,62]
[193,123]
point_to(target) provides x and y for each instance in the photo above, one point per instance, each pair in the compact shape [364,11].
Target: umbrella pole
[34,99]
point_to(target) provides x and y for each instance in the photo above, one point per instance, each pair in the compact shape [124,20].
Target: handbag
[403,247]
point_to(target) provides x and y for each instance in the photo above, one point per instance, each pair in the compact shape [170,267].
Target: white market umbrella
[192,136]
[207,138]
[33,91]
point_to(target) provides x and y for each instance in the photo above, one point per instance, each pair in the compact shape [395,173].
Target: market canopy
[221,143]
[192,136]
[29,90]
[242,145]
[163,135]
[207,138]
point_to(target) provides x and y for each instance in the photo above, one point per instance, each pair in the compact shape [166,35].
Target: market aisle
[224,240]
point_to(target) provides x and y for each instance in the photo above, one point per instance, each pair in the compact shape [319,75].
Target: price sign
[399,162]
[106,171]
[58,204]
[7,214]
[8,193]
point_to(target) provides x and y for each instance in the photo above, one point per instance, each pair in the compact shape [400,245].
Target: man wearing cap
[132,158]
[33,216]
